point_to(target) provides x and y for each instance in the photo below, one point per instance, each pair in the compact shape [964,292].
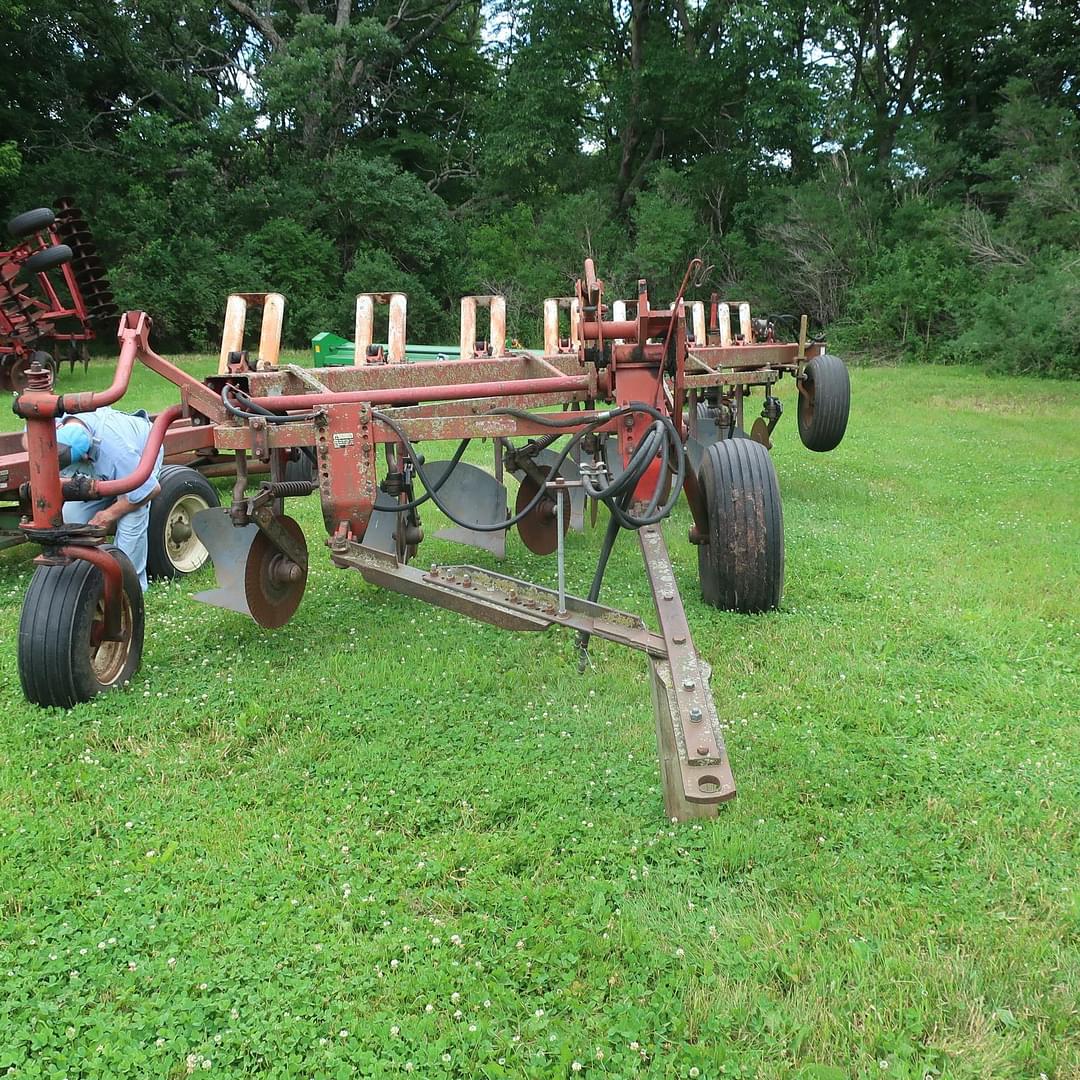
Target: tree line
[906,171]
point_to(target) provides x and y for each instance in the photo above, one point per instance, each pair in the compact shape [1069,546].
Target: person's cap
[75,438]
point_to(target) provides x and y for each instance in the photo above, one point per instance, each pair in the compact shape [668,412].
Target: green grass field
[387,840]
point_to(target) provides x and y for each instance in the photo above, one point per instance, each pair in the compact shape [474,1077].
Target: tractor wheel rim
[108,658]
[185,550]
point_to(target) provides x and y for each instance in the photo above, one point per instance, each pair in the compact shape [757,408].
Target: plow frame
[349,418]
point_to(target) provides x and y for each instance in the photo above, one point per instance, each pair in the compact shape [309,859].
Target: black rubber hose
[432,490]
[611,534]
[228,391]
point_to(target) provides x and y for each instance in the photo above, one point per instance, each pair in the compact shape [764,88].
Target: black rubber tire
[182,490]
[299,468]
[741,568]
[47,259]
[824,403]
[30,222]
[54,654]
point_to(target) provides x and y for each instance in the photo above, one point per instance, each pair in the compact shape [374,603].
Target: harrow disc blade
[253,576]
[476,497]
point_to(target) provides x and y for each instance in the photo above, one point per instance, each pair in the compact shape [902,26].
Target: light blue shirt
[117,442]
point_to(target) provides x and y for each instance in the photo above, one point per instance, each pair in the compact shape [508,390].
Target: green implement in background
[329,350]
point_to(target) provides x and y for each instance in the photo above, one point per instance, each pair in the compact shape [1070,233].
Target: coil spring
[286,489]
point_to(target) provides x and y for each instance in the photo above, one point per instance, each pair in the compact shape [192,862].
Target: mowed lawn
[385,839]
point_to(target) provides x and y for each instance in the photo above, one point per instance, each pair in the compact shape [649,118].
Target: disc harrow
[53,289]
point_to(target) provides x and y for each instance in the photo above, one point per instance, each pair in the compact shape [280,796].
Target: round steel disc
[760,433]
[539,528]
[272,602]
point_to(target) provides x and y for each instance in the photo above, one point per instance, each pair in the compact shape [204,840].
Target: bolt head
[688,684]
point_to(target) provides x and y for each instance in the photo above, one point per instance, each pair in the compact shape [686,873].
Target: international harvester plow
[630,409]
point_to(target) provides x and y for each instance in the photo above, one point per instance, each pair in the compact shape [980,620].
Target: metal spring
[285,489]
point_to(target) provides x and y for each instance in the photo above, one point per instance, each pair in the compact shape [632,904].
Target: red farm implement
[626,412]
[53,292]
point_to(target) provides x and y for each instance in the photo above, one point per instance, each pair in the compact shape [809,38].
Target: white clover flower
[576,1066]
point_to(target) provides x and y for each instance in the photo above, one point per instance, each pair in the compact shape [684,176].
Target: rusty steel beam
[694,763]
[497,599]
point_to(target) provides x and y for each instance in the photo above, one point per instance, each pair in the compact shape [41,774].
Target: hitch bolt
[695,715]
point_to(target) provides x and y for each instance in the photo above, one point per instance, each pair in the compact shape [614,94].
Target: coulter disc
[539,528]
[273,583]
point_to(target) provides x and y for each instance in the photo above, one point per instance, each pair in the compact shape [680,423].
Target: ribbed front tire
[824,403]
[58,659]
[742,566]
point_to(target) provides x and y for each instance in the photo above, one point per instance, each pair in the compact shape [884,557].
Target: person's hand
[104,519]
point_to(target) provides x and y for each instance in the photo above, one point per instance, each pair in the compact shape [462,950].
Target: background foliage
[906,170]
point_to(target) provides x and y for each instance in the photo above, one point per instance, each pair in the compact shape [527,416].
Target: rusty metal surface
[538,529]
[694,760]
[273,581]
[497,599]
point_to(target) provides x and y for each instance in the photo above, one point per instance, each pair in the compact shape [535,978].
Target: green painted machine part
[329,350]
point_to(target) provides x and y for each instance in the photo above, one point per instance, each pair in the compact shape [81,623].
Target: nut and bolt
[688,684]
[695,715]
